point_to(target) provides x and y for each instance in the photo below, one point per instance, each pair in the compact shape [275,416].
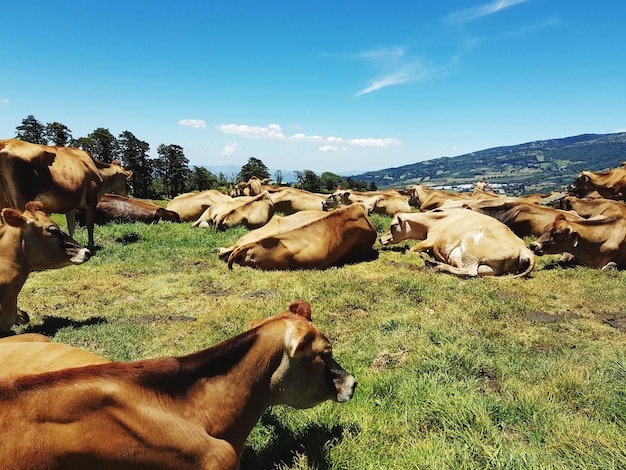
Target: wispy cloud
[4,101]
[230,148]
[395,79]
[396,67]
[195,123]
[275,132]
[531,28]
[474,13]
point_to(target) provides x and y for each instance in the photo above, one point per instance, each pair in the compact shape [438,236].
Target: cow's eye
[327,354]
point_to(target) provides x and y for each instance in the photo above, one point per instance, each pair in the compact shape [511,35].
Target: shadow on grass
[286,446]
[52,325]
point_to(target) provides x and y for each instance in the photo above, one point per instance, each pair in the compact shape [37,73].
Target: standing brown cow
[30,241]
[63,179]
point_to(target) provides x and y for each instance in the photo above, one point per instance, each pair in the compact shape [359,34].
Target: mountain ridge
[541,165]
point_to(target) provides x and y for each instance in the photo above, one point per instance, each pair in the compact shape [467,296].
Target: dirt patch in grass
[616,320]
[163,318]
[543,317]
[386,359]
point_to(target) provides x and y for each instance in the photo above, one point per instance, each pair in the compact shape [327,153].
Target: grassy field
[453,373]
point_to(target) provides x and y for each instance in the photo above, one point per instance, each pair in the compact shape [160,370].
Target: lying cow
[522,218]
[252,187]
[249,211]
[190,206]
[30,241]
[610,184]
[426,199]
[591,207]
[463,242]
[381,203]
[291,200]
[598,243]
[307,240]
[190,412]
[63,179]
[116,208]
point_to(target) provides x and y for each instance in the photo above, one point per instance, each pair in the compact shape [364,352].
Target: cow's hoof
[610,266]
[22,317]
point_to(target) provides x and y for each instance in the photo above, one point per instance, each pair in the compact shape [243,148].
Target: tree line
[169,174]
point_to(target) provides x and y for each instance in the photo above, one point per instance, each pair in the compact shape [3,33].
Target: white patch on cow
[477,237]
[456,256]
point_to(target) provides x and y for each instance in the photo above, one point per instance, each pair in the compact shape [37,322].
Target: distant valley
[539,166]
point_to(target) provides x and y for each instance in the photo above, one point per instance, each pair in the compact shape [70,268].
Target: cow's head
[308,373]
[557,237]
[46,246]
[581,185]
[118,180]
[396,232]
[333,201]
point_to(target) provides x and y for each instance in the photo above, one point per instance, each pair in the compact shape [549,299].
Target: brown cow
[598,243]
[253,187]
[40,355]
[610,184]
[190,412]
[463,242]
[426,199]
[290,200]
[376,203]
[591,207]
[249,211]
[116,208]
[523,218]
[30,241]
[63,179]
[307,240]
[190,206]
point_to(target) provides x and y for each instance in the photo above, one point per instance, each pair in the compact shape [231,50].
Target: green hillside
[543,165]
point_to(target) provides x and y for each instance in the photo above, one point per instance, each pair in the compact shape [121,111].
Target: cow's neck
[232,388]
[13,273]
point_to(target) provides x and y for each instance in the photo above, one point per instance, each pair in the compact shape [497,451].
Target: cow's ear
[300,344]
[13,218]
[301,308]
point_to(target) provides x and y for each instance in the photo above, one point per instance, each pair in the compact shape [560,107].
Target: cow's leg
[446,268]
[70,217]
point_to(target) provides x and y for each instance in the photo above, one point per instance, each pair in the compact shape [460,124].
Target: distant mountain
[535,166]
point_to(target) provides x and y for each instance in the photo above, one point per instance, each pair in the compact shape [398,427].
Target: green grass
[453,373]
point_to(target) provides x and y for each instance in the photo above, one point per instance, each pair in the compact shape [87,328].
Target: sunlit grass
[453,373]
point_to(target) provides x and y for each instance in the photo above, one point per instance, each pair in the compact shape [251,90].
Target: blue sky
[317,85]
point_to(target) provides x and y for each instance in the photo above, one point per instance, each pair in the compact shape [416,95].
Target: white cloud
[385,54]
[230,148]
[195,123]
[275,132]
[474,13]
[300,137]
[374,142]
[395,79]
[4,101]
[271,132]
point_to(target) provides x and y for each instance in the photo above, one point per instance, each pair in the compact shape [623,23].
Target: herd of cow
[62,407]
